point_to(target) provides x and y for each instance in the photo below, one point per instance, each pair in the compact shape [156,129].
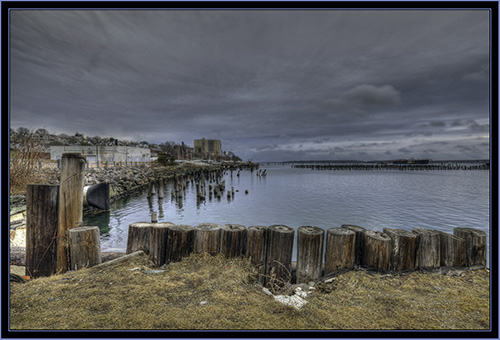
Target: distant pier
[399,167]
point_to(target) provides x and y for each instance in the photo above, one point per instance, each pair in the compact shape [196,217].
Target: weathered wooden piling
[154,217]
[42,215]
[180,242]
[233,240]
[279,254]
[151,190]
[453,250]
[158,243]
[179,190]
[428,253]
[309,253]
[70,203]
[339,250]
[376,250]
[358,250]
[475,245]
[84,247]
[207,238]
[160,188]
[139,237]
[256,249]
[403,249]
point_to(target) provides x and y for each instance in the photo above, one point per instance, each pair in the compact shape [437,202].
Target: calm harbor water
[440,200]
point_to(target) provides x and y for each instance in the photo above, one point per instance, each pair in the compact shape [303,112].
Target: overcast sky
[272,85]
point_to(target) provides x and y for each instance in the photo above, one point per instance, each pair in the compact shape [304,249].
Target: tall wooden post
[70,203]
[309,253]
[41,229]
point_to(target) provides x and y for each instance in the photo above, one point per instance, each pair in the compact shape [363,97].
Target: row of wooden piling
[214,178]
[207,183]
[400,167]
[347,247]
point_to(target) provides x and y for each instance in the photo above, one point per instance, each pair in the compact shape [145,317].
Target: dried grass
[212,292]
[24,167]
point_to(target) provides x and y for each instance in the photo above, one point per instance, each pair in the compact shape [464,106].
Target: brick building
[207,147]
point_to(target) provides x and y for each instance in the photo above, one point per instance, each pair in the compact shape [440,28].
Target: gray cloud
[404,150]
[473,125]
[437,124]
[263,82]
[369,95]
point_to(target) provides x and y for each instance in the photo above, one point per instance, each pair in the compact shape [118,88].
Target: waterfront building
[209,147]
[96,155]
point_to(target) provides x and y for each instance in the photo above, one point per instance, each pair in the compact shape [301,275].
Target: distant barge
[411,161]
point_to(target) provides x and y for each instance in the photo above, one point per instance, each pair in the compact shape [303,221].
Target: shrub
[165,161]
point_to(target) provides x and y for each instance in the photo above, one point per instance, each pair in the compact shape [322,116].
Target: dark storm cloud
[264,82]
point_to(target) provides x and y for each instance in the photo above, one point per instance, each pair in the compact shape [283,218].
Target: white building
[102,154]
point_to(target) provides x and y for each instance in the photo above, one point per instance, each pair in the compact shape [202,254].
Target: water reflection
[294,197]
[160,208]
[150,204]
[102,220]
[179,203]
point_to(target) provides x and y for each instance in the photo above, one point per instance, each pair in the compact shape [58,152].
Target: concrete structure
[210,147]
[98,154]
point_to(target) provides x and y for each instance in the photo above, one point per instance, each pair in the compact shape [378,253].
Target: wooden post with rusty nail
[70,203]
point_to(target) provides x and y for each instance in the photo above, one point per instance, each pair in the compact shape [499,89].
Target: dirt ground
[212,292]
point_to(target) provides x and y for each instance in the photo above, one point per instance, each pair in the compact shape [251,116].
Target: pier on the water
[399,167]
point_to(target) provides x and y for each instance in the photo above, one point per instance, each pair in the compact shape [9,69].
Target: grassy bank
[204,292]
